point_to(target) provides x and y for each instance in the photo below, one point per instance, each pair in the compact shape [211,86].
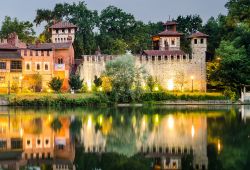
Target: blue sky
[145,10]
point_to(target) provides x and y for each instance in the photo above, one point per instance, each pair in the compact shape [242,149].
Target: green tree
[75,82]
[56,124]
[56,84]
[36,82]
[24,29]
[233,69]
[151,83]
[125,78]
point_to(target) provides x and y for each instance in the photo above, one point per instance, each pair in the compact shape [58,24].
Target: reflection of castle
[173,68]
[29,140]
[166,138]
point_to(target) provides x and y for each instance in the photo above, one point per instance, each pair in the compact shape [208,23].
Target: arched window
[60,61]
[46,67]
[28,66]
[38,67]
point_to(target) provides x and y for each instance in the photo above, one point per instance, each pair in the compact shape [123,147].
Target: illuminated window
[16,65]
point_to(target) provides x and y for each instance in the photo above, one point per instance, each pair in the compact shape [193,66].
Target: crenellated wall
[182,70]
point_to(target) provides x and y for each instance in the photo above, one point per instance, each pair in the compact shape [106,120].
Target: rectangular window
[195,41]
[16,65]
[42,53]
[36,53]
[31,53]
[3,65]
[3,145]
[202,41]
[48,53]
[16,144]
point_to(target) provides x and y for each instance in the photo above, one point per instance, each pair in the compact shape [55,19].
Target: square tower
[63,31]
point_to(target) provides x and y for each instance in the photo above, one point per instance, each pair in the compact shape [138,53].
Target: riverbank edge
[97,100]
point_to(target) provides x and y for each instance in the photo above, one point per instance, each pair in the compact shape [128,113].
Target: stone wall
[176,70]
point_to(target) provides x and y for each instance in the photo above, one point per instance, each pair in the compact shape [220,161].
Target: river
[128,138]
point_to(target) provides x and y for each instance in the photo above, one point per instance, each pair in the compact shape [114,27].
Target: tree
[35,82]
[56,124]
[238,11]
[75,82]
[98,81]
[151,83]
[24,29]
[77,13]
[56,84]
[233,69]
[125,78]
[180,79]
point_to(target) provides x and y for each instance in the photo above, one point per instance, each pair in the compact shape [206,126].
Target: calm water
[191,137]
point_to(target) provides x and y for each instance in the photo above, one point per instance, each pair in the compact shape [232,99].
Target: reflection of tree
[75,126]
[56,124]
[37,125]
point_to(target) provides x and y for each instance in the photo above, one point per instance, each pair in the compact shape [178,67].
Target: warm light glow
[49,90]
[192,77]
[89,124]
[156,88]
[89,86]
[100,89]
[21,132]
[100,120]
[156,119]
[170,122]
[219,146]
[21,77]
[134,121]
[192,131]
[170,84]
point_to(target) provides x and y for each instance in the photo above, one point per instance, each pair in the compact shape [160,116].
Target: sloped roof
[63,24]
[198,34]
[170,23]
[163,53]
[10,55]
[7,46]
[49,46]
[170,33]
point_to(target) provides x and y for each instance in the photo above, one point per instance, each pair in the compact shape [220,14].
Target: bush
[75,82]
[56,84]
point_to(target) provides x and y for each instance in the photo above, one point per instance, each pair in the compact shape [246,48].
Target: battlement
[38,53]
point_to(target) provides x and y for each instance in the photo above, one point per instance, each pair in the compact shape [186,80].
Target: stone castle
[166,62]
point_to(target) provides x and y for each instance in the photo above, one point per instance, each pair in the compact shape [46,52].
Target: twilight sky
[145,10]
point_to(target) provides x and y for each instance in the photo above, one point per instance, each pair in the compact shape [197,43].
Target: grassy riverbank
[99,99]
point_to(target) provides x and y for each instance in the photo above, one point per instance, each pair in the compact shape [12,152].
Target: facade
[20,62]
[166,62]
[21,145]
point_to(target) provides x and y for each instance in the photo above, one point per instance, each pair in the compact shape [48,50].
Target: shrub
[75,82]
[56,84]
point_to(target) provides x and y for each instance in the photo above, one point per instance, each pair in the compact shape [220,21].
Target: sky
[144,10]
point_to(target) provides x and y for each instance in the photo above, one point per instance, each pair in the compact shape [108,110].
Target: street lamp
[192,78]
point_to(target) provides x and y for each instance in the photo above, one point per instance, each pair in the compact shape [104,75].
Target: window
[195,41]
[184,57]
[153,58]
[38,141]
[63,30]
[16,65]
[31,53]
[42,53]
[60,61]
[46,67]
[57,31]
[16,144]
[173,42]
[48,54]
[28,66]
[36,53]
[159,57]
[202,41]
[60,147]
[47,141]
[38,67]
[2,65]
[69,30]
[178,57]
[172,57]
[28,142]
[166,57]
[55,39]
[3,145]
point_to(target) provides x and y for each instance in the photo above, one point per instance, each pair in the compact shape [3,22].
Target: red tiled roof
[7,46]
[198,34]
[163,53]
[48,46]
[63,24]
[170,23]
[170,33]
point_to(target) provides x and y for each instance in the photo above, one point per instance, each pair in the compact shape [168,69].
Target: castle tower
[169,39]
[62,32]
[199,48]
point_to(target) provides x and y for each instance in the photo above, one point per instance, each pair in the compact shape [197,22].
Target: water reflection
[166,138]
